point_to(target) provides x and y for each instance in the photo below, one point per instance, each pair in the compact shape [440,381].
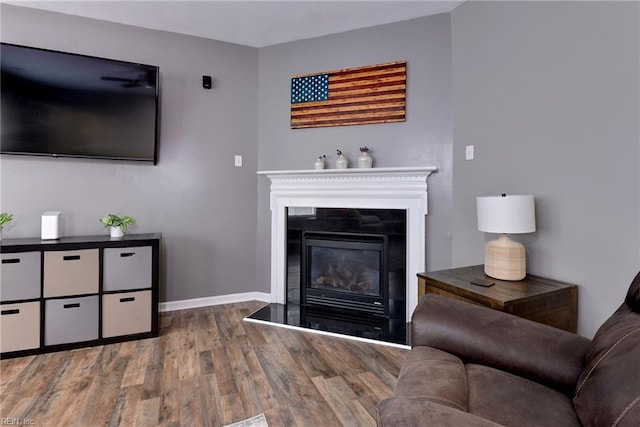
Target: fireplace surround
[352,260]
[403,188]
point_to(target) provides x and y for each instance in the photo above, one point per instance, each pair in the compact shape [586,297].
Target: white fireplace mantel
[376,188]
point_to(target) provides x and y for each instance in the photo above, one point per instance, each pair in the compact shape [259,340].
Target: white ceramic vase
[319,164]
[365,161]
[116,233]
[342,162]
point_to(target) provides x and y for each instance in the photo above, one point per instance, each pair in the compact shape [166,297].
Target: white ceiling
[251,23]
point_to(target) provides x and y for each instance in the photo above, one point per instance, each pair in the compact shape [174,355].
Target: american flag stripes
[354,96]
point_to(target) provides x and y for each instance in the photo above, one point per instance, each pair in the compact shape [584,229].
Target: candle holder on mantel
[341,162]
[365,160]
[319,164]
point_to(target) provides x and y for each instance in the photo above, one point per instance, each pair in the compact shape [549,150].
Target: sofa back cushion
[608,391]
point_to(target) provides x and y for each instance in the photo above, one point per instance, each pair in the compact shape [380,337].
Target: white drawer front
[127,268]
[20,276]
[71,320]
[19,326]
[126,313]
[71,272]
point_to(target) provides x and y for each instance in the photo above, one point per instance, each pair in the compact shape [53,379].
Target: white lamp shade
[506,214]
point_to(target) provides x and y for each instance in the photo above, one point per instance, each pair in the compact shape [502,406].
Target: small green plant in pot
[117,224]
[4,218]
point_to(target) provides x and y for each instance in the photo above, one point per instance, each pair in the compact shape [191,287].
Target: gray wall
[424,139]
[548,93]
[203,205]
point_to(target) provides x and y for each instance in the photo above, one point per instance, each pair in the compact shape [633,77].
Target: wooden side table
[536,298]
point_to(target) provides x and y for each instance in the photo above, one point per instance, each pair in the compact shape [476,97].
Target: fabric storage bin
[19,326]
[126,313]
[71,272]
[20,276]
[126,268]
[71,320]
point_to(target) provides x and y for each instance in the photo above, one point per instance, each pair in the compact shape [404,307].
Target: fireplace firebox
[345,271]
[347,262]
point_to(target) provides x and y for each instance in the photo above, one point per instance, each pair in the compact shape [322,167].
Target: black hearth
[369,327]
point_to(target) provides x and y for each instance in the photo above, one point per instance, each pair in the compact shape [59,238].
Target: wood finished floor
[207,368]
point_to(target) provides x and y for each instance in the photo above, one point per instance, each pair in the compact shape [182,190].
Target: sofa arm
[408,412]
[488,337]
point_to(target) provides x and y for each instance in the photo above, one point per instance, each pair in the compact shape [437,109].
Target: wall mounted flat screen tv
[68,105]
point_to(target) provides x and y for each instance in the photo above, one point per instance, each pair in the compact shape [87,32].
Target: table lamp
[506,259]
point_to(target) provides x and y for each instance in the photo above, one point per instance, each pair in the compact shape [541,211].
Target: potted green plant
[4,218]
[118,225]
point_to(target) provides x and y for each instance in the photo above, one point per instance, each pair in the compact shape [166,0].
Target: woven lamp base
[505,259]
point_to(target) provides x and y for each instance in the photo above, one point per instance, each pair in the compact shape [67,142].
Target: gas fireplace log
[346,278]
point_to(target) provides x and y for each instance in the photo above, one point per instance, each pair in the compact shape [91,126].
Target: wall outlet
[468,154]
[238,161]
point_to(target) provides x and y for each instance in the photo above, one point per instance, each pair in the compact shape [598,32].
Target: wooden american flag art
[353,96]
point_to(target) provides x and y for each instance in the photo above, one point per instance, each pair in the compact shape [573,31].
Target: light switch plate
[468,155]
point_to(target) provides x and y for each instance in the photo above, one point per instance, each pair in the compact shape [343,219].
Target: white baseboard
[217,300]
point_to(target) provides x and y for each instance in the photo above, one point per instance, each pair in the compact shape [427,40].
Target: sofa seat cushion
[434,375]
[510,400]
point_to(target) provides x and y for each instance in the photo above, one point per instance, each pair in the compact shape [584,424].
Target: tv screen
[68,105]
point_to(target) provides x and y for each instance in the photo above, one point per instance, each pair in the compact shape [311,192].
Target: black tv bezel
[94,157]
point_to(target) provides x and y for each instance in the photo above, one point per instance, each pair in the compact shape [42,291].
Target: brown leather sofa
[472,366]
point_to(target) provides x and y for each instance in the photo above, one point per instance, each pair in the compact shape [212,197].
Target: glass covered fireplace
[345,271]
[347,262]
